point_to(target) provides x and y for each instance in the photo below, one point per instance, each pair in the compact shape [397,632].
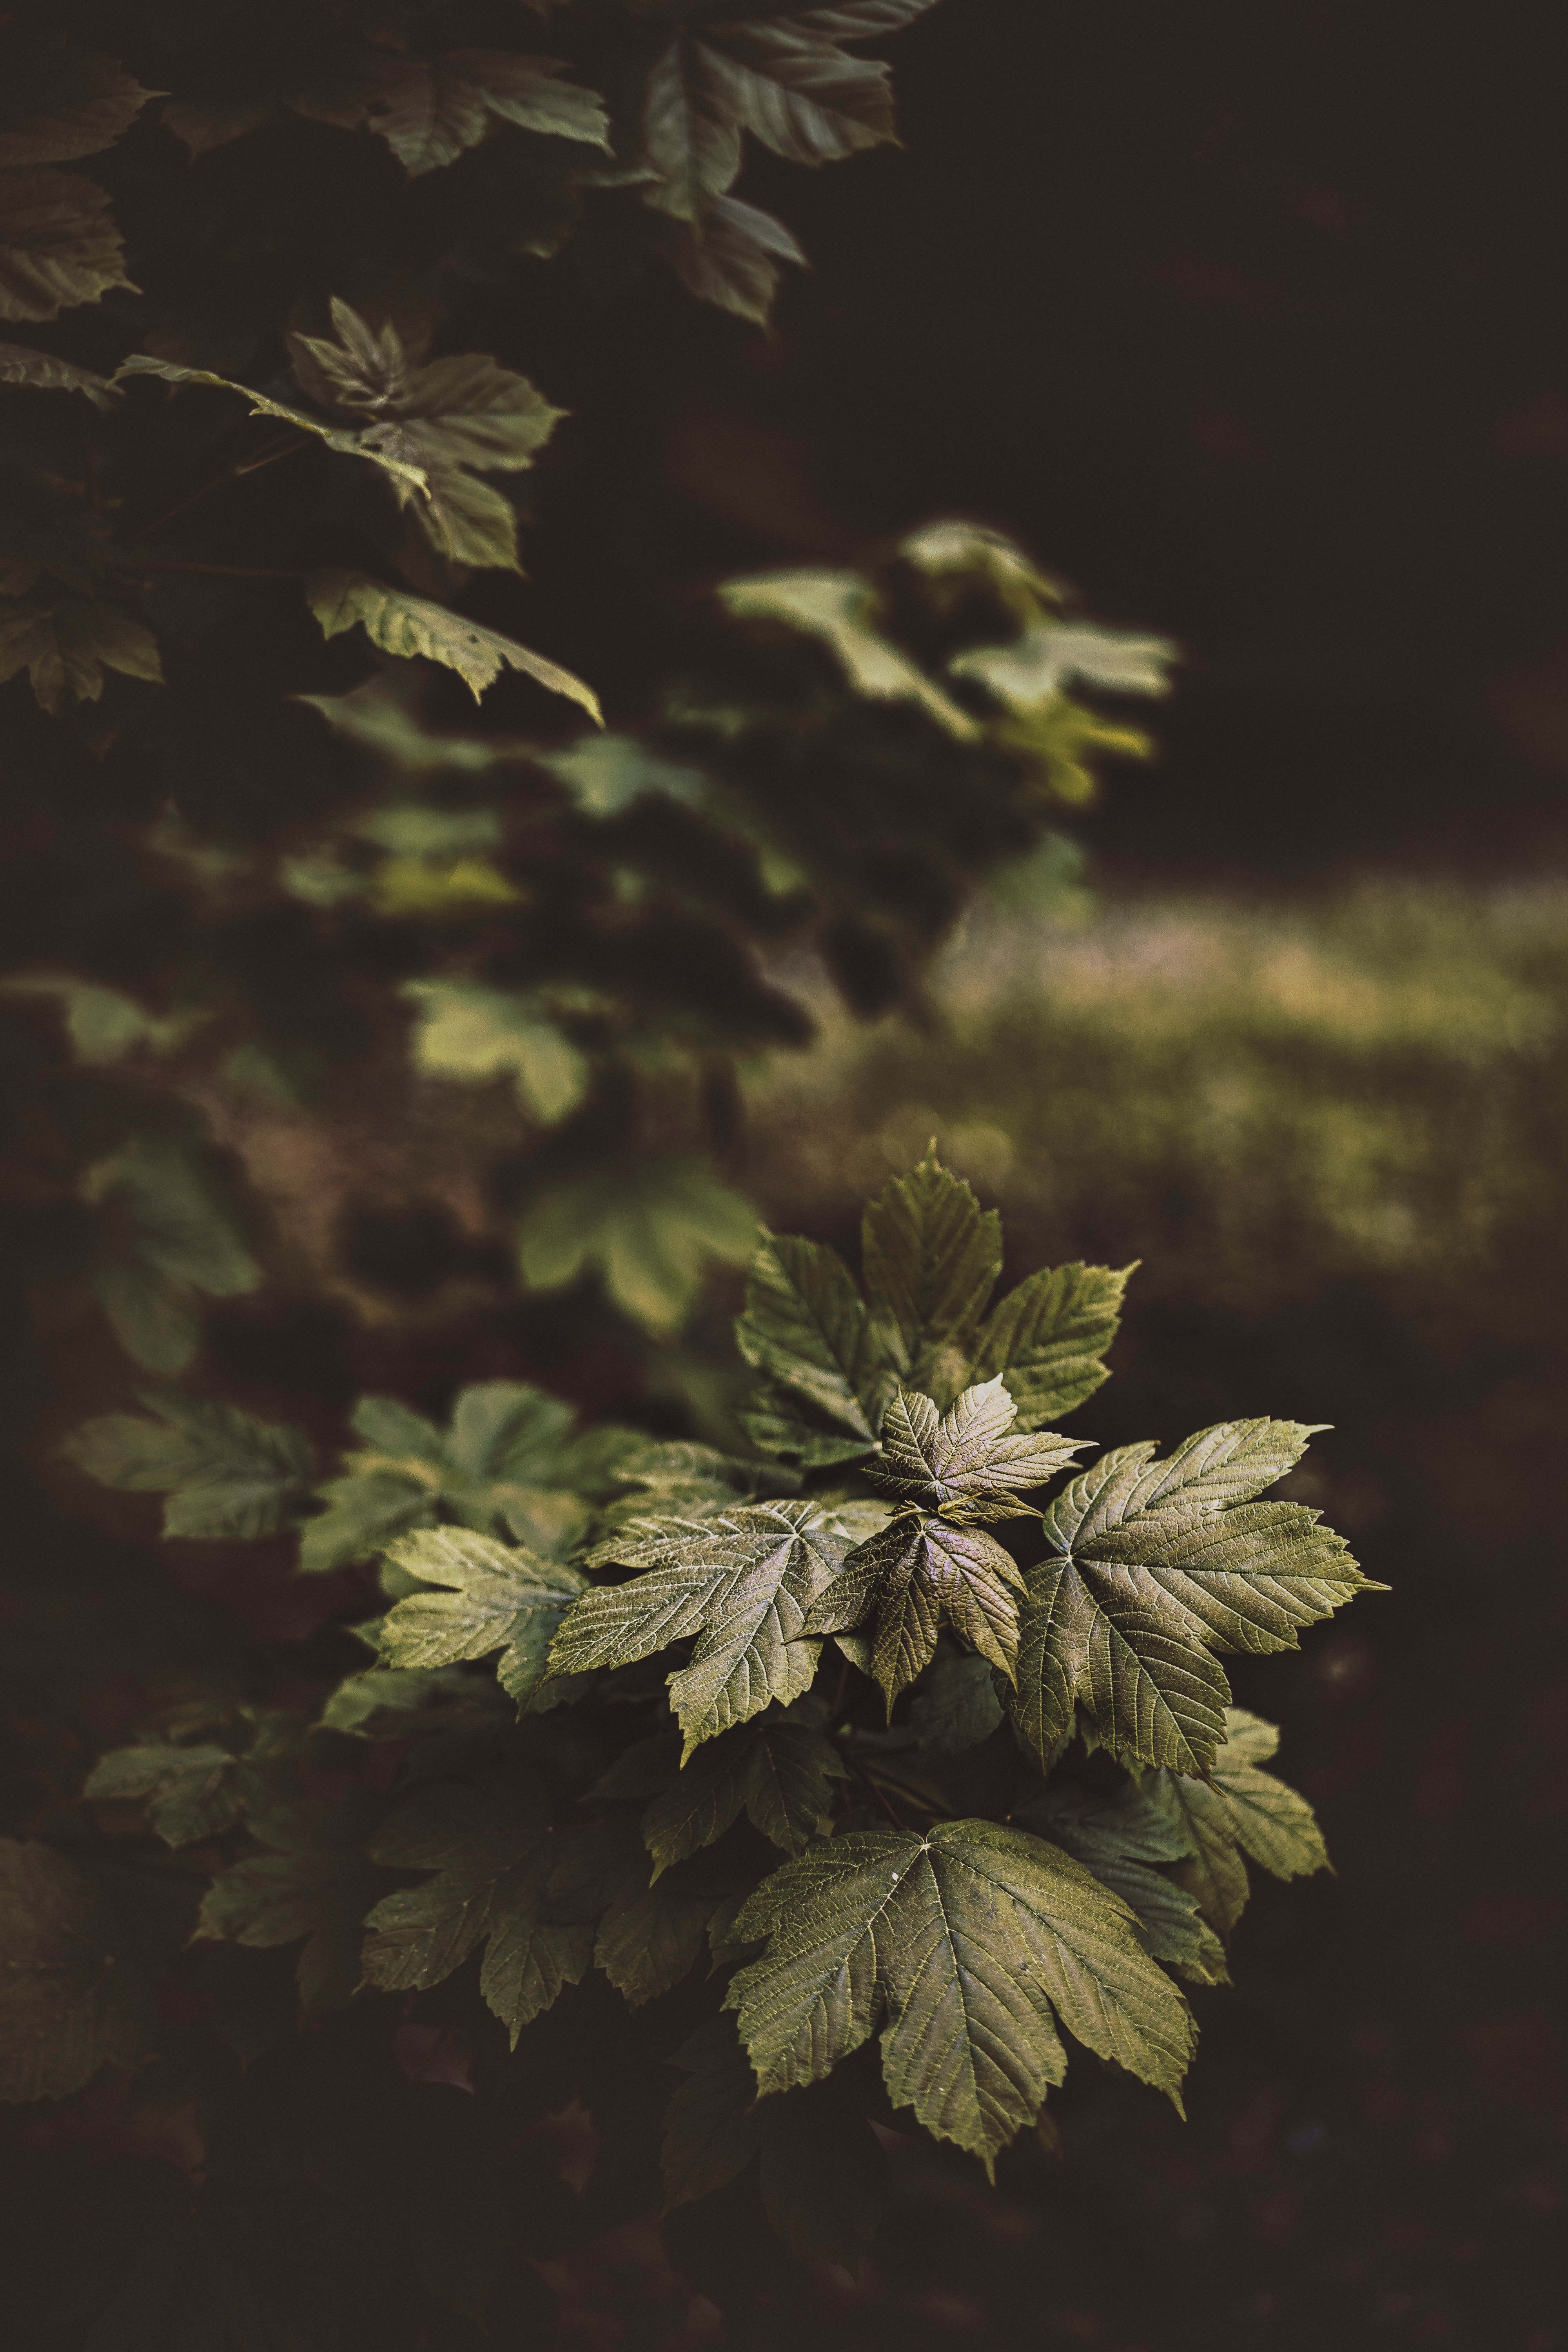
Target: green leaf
[1240,1809]
[712,2126]
[731,257]
[781,1772]
[608,773]
[47,372]
[62,102]
[489,1849]
[58,244]
[368,445]
[964,1941]
[741,1583]
[467,1032]
[224,1473]
[103,1024]
[311,1881]
[962,1463]
[1052,655]
[1048,1338]
[910,1577]
[957,1705]
[66,2008]
[430,109]
[166,1244]
[189,1793]
[1152,1566]
[805,1327]
[783,79]
[840,609]
[650,1939]
[1127,1840]
[932,1257]
[652,1226]
[66,644]
[411,627]
[415,1703]
[499,1598]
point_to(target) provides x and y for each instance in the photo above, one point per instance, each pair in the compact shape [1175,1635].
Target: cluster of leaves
[928,1761]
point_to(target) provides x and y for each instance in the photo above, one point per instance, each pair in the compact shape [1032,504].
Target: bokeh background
[1253,325]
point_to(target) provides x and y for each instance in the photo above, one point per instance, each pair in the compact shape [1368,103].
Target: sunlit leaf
[410,626]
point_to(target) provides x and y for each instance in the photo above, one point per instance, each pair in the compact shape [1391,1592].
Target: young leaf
[742,1582]
[840,609]
[409,626]
[1048,1338]
[1127,1840]
[47,372]
[965,1941]
[782,1772]
[311,1881]
[66,645]
[224,1473]
[806,1329]
[66,2009]
[499,1599]
[489,1849]
[962,1463]
[189,1792]
[653,1227]
[957,1707]
[932,1257]
[1240,1808]
[916,1573]
[1152,1566]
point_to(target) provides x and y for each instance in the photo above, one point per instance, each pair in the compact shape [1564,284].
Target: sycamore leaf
[165,1244]
[1128,1842]
[312,1882]
[1052,655]
[1048,1338]
[498,1598]
[65,643]
[1240,1808]
[649,1940]
[839,608]
[783,79]
[366,444]
[489,1849]
[66,2008]
[652,1226]
[962,1463]
[964,1941]
[410,626]
[189,1793]
[1153,1565]
[931,1257]
[805,1328]
[912,1576]
[62,102]
[430,109]
[417,1703]
[741,1583]
[781,1772]
[47,372]
[58,244]
[730,259]
[224,1473]
[467,1032]
[956,1707]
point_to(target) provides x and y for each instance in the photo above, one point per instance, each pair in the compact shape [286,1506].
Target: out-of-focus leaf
[732,258]
[166,1245]
[189,1793]
[66,2008]
[652,1226]
[1052,656]
[840,609]
[45,372]
[224,1473]
[956,1707]
[310,1883]
[64,646]
[465,1031]
[61,100]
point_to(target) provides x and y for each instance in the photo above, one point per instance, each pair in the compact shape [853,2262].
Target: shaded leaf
[430,109]
[66,644]
[467,1032]
[1241,1809]
[653,1226]
[61,100]
[732,258]
[1128,1842]
[189,1793]
[825,2178]
[66,2008]
[368,445]
[781,1772]
[310,1883]
[410,626]
[224,1473]
[47,372]
[712,2126]
[165,1244]
[912,1576]
[964,1941]
[956,1707]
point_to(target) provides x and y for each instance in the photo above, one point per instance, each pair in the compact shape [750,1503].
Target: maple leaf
[501,1597]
